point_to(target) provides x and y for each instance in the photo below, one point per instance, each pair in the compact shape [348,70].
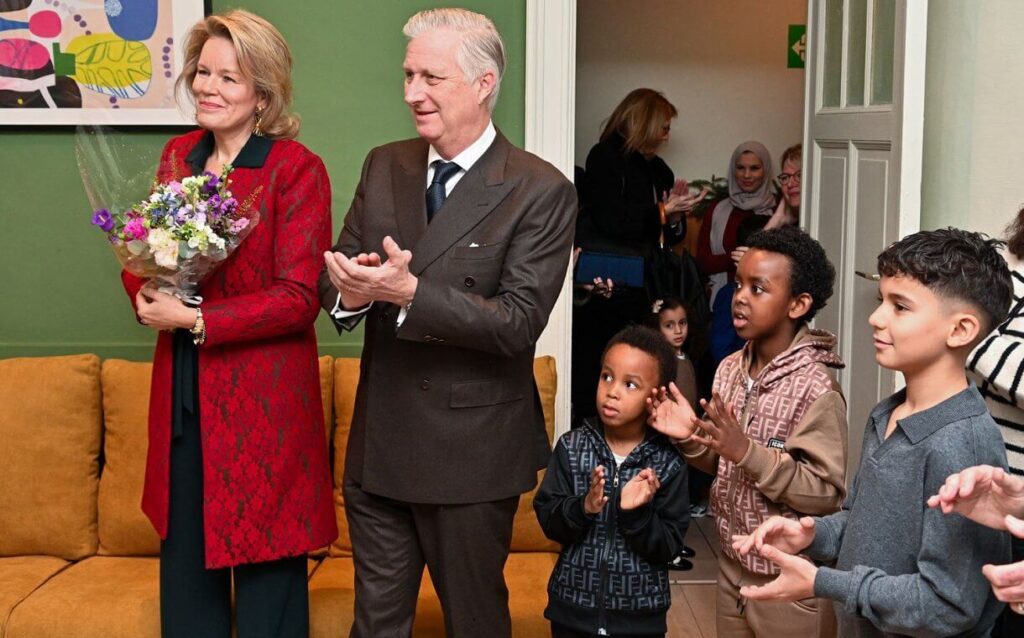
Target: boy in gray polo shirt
[900,567]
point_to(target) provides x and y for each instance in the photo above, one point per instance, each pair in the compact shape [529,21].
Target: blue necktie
[443,171]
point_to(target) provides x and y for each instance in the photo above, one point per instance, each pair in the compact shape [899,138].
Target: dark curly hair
[956,264]
[810,271]
[1015,235]
[650,341]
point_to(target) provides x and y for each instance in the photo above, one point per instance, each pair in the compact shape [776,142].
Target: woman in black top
[632,206]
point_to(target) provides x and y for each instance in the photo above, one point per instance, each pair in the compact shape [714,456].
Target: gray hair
[481,48]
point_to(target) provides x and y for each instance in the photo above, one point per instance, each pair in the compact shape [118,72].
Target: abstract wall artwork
[92,61]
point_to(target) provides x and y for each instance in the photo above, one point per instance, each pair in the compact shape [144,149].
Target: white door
[862,167]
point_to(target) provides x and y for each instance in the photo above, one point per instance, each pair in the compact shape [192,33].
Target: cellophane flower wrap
[181,233]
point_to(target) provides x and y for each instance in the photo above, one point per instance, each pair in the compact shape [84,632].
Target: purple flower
[103,220]
[211,185]
[213,207]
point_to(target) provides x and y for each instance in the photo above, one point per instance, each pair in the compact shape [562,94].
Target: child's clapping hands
[720,431]
[595,499]
[640,490]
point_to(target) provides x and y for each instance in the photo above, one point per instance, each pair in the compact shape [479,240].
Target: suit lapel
[479,191]
[409,184]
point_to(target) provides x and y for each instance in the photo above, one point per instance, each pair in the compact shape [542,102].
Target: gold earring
[256,130]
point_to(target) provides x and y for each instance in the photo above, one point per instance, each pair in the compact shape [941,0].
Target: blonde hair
[638,119]
[794,154]
[481,48]
[263,57]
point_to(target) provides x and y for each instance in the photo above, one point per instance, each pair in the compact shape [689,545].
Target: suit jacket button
[470,282]
[425,384]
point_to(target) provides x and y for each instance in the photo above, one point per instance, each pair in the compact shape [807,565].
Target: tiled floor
[692,614]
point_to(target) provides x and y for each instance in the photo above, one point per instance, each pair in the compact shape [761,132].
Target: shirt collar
[472,153]
[253,154]
[918,426]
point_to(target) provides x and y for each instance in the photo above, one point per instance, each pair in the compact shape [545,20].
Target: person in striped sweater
[997,366]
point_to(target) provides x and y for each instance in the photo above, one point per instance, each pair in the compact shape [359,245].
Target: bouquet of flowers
[180,234]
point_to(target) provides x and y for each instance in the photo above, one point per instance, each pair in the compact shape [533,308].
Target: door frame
[550,133]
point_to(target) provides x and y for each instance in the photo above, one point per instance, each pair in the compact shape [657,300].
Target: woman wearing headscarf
[750,194]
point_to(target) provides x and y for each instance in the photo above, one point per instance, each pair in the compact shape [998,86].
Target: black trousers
[271,598]
[463,546]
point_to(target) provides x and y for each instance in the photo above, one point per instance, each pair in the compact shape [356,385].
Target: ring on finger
[1018,607]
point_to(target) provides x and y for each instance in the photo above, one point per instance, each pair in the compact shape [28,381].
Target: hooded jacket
[612,573]
[794,417]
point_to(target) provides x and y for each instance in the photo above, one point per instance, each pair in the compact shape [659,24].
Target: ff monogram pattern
[630,582]
[780,396]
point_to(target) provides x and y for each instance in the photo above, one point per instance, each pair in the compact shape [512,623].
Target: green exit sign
[796,46]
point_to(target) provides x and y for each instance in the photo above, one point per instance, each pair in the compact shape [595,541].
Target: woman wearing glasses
[787,213]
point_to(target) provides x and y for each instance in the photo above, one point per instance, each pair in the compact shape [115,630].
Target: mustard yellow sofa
[79,560]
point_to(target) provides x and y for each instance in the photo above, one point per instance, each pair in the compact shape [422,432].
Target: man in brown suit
[447,430]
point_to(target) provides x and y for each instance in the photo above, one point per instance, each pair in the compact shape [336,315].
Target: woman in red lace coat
[237,477]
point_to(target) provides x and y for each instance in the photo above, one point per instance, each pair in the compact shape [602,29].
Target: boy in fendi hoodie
[775,431]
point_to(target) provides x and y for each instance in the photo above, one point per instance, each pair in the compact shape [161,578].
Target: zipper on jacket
[750,397]
[607,552]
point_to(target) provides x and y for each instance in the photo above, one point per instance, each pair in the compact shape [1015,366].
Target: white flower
[214,238]
[164,247]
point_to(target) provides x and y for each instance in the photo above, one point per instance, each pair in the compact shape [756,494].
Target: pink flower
[239,225]
[135,229]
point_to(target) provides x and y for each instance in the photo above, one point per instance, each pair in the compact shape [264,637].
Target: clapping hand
[982,493]
[792,537]
[721,432]
[672,416]
[365,278]
[595,499]
[796,581]
[679,202]
[639,490]
[1008,580]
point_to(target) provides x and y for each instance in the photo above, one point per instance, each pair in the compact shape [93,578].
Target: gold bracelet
[199,330]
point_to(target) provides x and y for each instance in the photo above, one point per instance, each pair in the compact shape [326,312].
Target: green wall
[59,286]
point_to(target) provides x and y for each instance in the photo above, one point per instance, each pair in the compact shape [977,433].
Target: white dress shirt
[465,160]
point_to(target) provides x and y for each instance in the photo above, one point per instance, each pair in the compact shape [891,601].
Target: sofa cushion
[99,597]
[326,364]
[22,575]
[50,429]
[527,536]
[346,379]
[124,529]
[332,598]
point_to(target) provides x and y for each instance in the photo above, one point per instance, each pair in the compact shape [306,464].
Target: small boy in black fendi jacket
[615,496]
